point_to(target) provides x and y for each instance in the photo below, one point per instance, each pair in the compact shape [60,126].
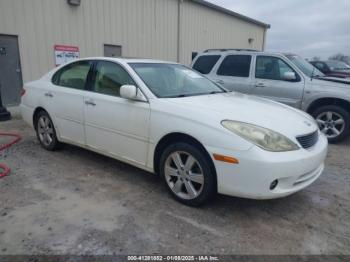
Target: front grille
[309,140]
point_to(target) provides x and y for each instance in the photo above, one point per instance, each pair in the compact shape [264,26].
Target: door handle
[48,95]
[221,82]
[90,103]
[260,85]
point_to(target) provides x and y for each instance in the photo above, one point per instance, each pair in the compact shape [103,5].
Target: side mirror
[128,92]
[131,92]
[289,76]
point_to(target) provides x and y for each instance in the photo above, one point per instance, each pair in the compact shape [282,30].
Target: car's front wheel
[187,174]
[46,132]
[334,122]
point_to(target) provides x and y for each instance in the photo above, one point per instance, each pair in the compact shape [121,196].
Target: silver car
[285,78]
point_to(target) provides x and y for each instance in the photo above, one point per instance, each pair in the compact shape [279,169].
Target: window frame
[298,77]
[57,75]
[229,55]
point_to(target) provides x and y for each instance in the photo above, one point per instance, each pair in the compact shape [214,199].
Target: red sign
[67,48]
[64,54]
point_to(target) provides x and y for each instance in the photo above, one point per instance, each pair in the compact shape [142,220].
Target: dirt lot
[78,202]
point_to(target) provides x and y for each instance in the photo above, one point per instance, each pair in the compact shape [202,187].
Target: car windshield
[307,68]
[173,80]
[337,65]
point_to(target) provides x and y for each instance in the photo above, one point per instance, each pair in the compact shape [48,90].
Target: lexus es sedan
[172,121]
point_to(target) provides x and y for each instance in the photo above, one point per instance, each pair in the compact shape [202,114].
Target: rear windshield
[205,64]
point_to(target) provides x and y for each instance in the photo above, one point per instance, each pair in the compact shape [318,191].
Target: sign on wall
[64,54]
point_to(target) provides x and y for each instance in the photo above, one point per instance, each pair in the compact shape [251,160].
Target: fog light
[273,184]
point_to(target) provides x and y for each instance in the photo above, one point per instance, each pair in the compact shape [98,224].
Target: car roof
[239,51]
[126,60]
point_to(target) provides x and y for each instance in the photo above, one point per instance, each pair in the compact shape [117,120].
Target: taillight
[23,91]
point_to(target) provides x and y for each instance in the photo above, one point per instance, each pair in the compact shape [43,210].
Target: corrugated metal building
[161,29]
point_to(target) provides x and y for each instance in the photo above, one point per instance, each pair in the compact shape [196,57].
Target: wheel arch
[35,114]
[171,138]
[345,104]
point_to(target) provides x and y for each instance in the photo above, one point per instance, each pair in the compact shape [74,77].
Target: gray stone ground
[77,202]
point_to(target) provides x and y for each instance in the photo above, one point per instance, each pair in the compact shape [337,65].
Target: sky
[306,27]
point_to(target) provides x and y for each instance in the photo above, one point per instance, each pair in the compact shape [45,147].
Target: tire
[187,173]
[45,132]
[330,117]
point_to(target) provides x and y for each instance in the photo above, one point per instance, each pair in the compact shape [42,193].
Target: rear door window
[235,65]
[73,75]
[205,64]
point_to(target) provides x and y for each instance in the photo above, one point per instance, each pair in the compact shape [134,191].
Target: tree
[340,57]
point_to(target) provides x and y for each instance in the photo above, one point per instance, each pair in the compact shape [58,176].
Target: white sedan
[167,119]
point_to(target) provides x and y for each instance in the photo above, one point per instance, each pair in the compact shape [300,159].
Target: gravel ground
[77,202]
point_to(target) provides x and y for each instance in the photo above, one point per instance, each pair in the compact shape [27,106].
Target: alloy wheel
[331,123]
[45,130]
[184,175]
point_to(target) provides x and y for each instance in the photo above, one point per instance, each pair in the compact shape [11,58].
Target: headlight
[262,137]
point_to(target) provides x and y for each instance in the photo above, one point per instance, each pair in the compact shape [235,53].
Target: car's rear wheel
[334,122]
[46,132]
[187,174]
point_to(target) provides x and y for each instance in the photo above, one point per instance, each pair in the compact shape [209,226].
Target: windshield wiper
[199,94]
[175,96]
[215,92]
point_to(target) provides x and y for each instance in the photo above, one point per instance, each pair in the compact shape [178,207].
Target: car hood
[212,109]
[331,82]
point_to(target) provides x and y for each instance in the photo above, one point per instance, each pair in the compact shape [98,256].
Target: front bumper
[257,169]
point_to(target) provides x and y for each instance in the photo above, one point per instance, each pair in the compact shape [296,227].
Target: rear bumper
[27,114]
[257,169]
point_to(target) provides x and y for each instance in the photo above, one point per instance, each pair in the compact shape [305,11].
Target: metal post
[179,24]
[4,114]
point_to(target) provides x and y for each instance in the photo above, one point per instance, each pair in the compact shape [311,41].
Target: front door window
[109,78]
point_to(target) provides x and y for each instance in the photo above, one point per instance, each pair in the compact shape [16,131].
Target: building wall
[203,28]
[144,28]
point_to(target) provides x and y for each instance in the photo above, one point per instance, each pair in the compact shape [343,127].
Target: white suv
[286,78]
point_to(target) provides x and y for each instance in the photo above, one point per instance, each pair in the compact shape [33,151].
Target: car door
[234,73]
[64,101]
[114,125]
[270,81]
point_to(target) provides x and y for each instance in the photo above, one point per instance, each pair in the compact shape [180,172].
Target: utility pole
[4,114]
